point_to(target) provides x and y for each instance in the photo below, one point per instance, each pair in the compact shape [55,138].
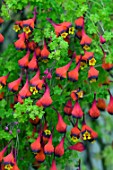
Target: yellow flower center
[45,60]
[92,62]
[80,94]
[86,47]
[8,167]
[1,86]
[92,80]
[74,139]
[71,30]
[86,135]
[82,65]
[58,78]
[64,34]
[26,30]
[16,28]
[47,132]
[33,90]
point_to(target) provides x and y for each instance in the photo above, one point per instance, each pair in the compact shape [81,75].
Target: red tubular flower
[23,62]
[88,133]
[79,34]
[62,71]
[15,167]
[101,104]
[53,166]
[79,23]
[61,125]
[45,100]
[75,132]
[102,39]
[74,74]
[20,100]
[9,159]
[20,43]
[3,80]
[87,56]
[1,38]
[33,64]
[31,45]
[40,157]
[59,149]
[49,148]
[76,94]
[38,51]
[110,104]
[13,86]
[36,81]
[1,95]
[45,52]
[93,74]
[1,21]
[94,112]
[85,41]
[35,121]
[24,92]
[77,147]
[77,111]
[36,145]
[68,108]
[2,154]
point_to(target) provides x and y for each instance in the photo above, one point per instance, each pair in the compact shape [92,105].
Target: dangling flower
[20,100]
[9,161]
[15,167]
[89,57]
[36,81]
[110,104]
[49,148]
[59,149]
[75,132]
[35,121]
[23,62]
[13,86]
[1,21]
[77,147]
[1,38]
[94,112]
[102,39]
[61,125]
[45,53]
[33,64]
[24,92]
[40,157]
[1,95]
[45,100]
[31,45]
[38,52]
[36,145]
[2,154]
[62,71]
[53,166]
[74,74]
[68,108]
[3,80]
[20,43]
[85,41]
[79,34]
[79,23]
[76,94]
[77,111]
[93,74]
[101,104]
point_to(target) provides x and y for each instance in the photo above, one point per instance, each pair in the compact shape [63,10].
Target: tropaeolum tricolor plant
[38,80]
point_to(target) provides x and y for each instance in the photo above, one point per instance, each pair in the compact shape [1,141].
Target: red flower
[36,81]
[1,95]
[45,100]
[61,125]
[33,64]
[3,80]
[1,21]
[45,52]
[93,74]
[36,145]
[24,92]
[107,66]
[23,62]
[38,52]
[9,159]
[77,111]
[31,45]
[101,104]
[15,167]
[74,74]
[75,132]
[20,43]
[94,112]
[40,157]
[13,86]
[53,166]
[85,41]
[1,38]
[79,34]
[110,104]
[35,121]
[77,147]
[20,100]
[62,71]
[87,56]
[102,39]
[49,148]
[76,94]
[79,23]
[2,154]
[59,149]
[68,108]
